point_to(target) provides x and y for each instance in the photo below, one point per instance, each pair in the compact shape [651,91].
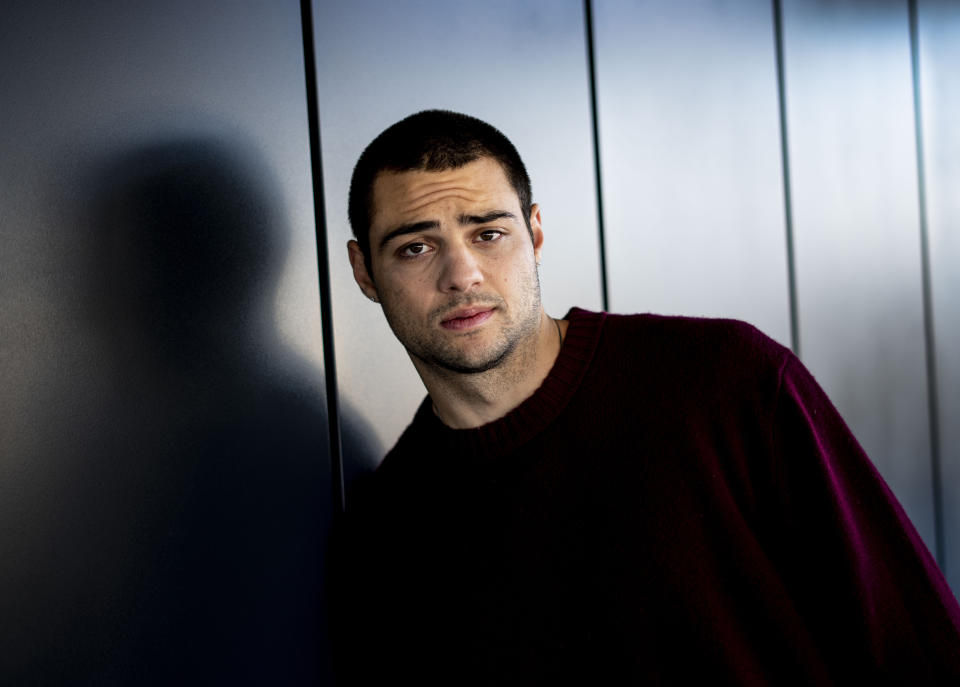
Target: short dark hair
[432,141]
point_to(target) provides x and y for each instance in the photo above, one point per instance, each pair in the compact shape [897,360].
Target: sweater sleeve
[869,590]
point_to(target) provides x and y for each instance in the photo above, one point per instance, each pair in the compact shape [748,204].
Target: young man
[601,499]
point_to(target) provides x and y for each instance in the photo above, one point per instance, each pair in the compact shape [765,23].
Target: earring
[373,298]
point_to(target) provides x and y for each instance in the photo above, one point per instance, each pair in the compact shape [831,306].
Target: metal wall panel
[939,43]
[164,478]
[520,66]
[856,227]
[691,167]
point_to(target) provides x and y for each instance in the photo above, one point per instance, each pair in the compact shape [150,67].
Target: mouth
[467,318]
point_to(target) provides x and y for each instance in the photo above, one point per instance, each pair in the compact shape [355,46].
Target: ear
[360,273]
[536,230]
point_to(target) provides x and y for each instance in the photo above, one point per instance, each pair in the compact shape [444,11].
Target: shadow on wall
[187,495]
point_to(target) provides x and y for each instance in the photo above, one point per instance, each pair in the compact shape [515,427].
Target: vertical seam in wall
[785,166]
[323,262]
[928,329]
[592,74]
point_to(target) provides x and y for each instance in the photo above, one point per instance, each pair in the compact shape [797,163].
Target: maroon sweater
[679,500]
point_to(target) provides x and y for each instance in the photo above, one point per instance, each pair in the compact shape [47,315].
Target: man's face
[453,265]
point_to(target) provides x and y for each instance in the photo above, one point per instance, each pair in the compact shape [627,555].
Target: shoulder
[402,467]
[697,342]
[679,328]
[424,430]
[692,366]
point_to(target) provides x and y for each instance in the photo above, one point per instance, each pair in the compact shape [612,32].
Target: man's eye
[490,235]
[413,249]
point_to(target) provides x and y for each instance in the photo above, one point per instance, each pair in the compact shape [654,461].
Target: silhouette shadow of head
[192,249]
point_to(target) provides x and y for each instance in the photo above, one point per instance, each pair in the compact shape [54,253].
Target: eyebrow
[488,217]
[426,225]
[408,229]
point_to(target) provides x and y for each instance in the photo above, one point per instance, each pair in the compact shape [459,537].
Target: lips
[467,318]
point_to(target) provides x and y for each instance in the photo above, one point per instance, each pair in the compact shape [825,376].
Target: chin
[468,364]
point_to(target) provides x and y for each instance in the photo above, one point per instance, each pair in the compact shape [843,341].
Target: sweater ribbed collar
[532,416]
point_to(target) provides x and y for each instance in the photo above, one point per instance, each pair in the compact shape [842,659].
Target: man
[601,499]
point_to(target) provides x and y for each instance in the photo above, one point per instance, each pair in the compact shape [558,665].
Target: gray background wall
[165,466]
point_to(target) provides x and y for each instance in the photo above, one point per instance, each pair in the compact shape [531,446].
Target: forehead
[400,197]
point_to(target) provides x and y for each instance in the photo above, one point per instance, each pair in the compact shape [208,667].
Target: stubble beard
[455,355]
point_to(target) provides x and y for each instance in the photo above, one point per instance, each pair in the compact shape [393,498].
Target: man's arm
[866,584]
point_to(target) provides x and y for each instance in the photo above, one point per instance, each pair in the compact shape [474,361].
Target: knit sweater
[678,501]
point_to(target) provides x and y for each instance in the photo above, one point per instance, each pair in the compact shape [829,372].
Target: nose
[460,269]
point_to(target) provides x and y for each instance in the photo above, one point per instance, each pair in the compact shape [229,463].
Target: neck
[463,401]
